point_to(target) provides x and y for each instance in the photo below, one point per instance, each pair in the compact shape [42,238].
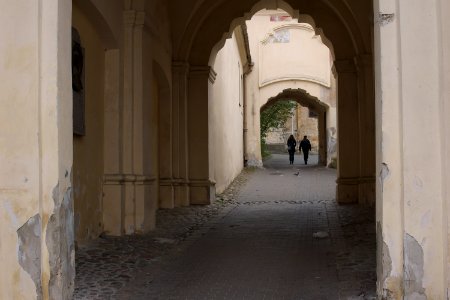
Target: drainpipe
[244,100]
[247,70]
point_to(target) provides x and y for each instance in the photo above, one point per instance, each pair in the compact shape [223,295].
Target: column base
[173,193]
[355,190]
[182,194]
[129,204]
[112,209]
[166,194]
[202,192]
[254,163]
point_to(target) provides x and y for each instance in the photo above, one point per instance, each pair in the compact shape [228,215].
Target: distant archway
[313,103]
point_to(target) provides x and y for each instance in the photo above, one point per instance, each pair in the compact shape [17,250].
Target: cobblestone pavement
[283,238]
[105,265]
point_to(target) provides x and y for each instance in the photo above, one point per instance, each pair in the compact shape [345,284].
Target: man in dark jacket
[305,146]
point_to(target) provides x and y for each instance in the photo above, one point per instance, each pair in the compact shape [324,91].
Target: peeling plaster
[384,264]
[414,269]
[384,174]
[60,244]
[29,253]
[385,19]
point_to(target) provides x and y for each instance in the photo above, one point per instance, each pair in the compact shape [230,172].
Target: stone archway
[305,99]
[351,42]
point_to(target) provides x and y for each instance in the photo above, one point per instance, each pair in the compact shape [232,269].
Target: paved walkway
[265,246]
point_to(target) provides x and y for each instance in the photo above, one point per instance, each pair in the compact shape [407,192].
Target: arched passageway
[355,108]
[37,219]
[314,104]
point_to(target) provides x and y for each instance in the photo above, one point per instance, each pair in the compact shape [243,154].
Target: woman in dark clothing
[291,143]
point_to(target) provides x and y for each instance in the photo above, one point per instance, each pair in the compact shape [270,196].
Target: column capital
[140,18]
[129,17]
[345,66]
[363,61]
[180,66]
[200,71]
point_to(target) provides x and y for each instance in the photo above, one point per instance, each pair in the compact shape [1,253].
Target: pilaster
[202,186]
[177,186]
[348,123]
[366,94]
[128,191]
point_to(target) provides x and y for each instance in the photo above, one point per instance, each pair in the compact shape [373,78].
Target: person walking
[305,146]
[291,143]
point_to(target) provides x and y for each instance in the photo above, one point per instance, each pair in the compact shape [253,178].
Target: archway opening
[311,118]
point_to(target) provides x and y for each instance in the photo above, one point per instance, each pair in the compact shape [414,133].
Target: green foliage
[274,117]
[264,151]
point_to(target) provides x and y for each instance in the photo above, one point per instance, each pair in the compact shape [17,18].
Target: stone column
[411,200]
[128,214]
[145,188]
[180,178]
[366,107]
[112,186]
[165,147]
[348,124]
[202,187]
[129,191]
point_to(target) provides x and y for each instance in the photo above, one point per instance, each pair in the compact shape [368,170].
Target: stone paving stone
[258,246]
[107,264]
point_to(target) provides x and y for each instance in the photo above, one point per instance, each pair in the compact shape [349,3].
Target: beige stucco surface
[226,115]
[410,196]
[19,179]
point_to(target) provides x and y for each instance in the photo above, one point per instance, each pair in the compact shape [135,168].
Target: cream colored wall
[411,84]
[19,179]
[226,115]
[445,94]
[88,150]
[35,150]
[304,56]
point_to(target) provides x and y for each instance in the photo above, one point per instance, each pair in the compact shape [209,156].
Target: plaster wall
[88,149]
[19,179]
[226,115]
[411,192]
[36,151]
[445,98]
[311,55]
